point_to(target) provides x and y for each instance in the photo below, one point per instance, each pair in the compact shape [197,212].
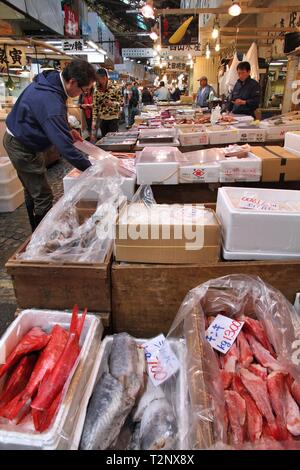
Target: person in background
[86,104]
[38,120]
[133,103]
[175,93]
[162,93]
[245,97]
[107,102]
[205,90]
[126,95]
[147,97]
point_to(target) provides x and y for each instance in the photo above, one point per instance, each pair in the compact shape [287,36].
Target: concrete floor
[14,229]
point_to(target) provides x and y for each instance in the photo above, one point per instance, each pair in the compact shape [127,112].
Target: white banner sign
[182,51]
[73,45]
[138,52]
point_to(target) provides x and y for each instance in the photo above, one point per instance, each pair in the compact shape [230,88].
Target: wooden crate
[59,286]
[146,298]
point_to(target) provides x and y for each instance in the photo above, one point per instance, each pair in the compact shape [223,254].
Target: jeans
[133,111]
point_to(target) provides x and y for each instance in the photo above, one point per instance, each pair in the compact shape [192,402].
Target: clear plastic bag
[231,296]
[61,238]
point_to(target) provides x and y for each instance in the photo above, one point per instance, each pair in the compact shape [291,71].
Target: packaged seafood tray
[148,136]
[292,142]
[157,165]
[222,135]
[234,169]
[247,396]
[7,171]
[193,136]
[10,186]
[59,436]
[175,392]
[12,202]
[263,221]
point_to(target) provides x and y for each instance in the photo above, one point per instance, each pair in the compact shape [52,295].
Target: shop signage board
[71,22]
[182,50]
[12,55]
[137,52]
[114,76]
[73,45]
[178,66]
[169,25]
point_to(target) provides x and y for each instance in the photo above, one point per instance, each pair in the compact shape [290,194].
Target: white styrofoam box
[7,171]
[202,166]
[193,136]
[11,203]
[243,118]
[235,169]
[260,231]
[251,134]
[59,435]
[9,187]
[178,388]
[70,180]
[142,145]
[156,133]
[257,256]
[222,135]
[278,132]
[158,165]
[292,142]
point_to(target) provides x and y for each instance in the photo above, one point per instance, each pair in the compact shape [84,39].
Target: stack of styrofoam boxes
[259,224]
[11,190]
[249,133]
[292,142]
[222,135]
[158,165]
[202,166]
[192,135]
[277,132]
[234,170]
[61,431]
[127,171]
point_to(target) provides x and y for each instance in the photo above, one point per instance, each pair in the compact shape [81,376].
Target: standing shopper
[134,103]
[204,92]
[107,104]
[86,104]
[38,120]
[147,97]
[126,95]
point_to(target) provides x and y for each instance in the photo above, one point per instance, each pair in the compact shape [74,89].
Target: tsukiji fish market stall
[150,227]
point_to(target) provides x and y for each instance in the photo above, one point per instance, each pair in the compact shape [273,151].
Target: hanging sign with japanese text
[182,50]
[73,45]
[71,22]
[12,55]
[179,30]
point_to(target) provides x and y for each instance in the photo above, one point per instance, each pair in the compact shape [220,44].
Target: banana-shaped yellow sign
[179,34]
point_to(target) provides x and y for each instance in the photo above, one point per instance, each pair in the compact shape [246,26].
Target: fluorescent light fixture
[235,9]
[189,56]
[170,57]
[153,35]
[215,32]
[277,63]
[155,53]
[147,11]
[97,48]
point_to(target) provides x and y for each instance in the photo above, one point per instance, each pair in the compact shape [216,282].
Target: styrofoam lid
[159,155]
[203,156]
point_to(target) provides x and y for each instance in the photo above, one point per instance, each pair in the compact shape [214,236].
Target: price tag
[161,361]
[223,332]
[252,202]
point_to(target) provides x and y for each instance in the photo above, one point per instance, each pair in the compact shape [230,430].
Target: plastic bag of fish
[61,237]
[126,411]
[249,396]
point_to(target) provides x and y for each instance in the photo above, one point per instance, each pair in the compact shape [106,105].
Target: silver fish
[158,426]
[135,443]
[151,393]
[108,409]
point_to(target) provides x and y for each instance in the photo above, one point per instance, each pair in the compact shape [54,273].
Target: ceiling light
[147,11]
[207,51]
[157,47]
[189,56]
[218,47]
[153,35]
[235,9]
[155,53]
[170,57]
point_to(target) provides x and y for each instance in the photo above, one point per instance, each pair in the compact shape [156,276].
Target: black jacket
[248,90]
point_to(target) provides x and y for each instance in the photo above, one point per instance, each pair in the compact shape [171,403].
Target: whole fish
[18,380]
[158,426]
[151,393]
[107,411]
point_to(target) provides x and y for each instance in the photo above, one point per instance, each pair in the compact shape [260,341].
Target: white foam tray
[58,436]
[10,187]
[7,171]
[253,231]
[100,366]
[11,203]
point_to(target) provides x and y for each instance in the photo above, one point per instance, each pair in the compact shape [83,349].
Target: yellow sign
[12,55]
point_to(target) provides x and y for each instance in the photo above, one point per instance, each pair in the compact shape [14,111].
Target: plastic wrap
[232,296]
[60,237]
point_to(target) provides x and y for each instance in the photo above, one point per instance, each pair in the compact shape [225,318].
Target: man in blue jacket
[204,92]
[245,97]
[38,120]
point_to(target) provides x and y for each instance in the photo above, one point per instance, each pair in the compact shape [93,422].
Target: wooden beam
[248,36]
[229,29]
[224,10]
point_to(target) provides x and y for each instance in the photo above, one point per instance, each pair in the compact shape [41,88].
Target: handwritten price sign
[223,332]
[161,361]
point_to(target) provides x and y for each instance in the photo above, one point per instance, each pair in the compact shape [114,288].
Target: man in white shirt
[162,93]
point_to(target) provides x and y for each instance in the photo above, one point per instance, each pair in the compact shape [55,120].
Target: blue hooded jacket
[39,119]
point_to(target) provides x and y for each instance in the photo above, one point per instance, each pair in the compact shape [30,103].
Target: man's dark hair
[244,66]
[162,83]
[81,71]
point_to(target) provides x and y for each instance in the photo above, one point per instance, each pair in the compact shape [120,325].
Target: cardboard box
[222,135]
[278,164]
[167,234]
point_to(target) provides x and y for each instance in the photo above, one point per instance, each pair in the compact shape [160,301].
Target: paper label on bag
[252,202]
[162,363]
[223,332]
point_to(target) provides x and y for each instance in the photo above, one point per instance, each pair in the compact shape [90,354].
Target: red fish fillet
[230,359]
[47,360]
[35,340]
[245,352]
[276,388]
[236,409]
[254,419]
[226,378]
[258,370]
[18,379]
[43,419]
[255,328]
[259,392]
[295,389]
[263,356]
[292,413]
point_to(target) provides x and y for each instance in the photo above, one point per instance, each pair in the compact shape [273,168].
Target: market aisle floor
[14,229]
